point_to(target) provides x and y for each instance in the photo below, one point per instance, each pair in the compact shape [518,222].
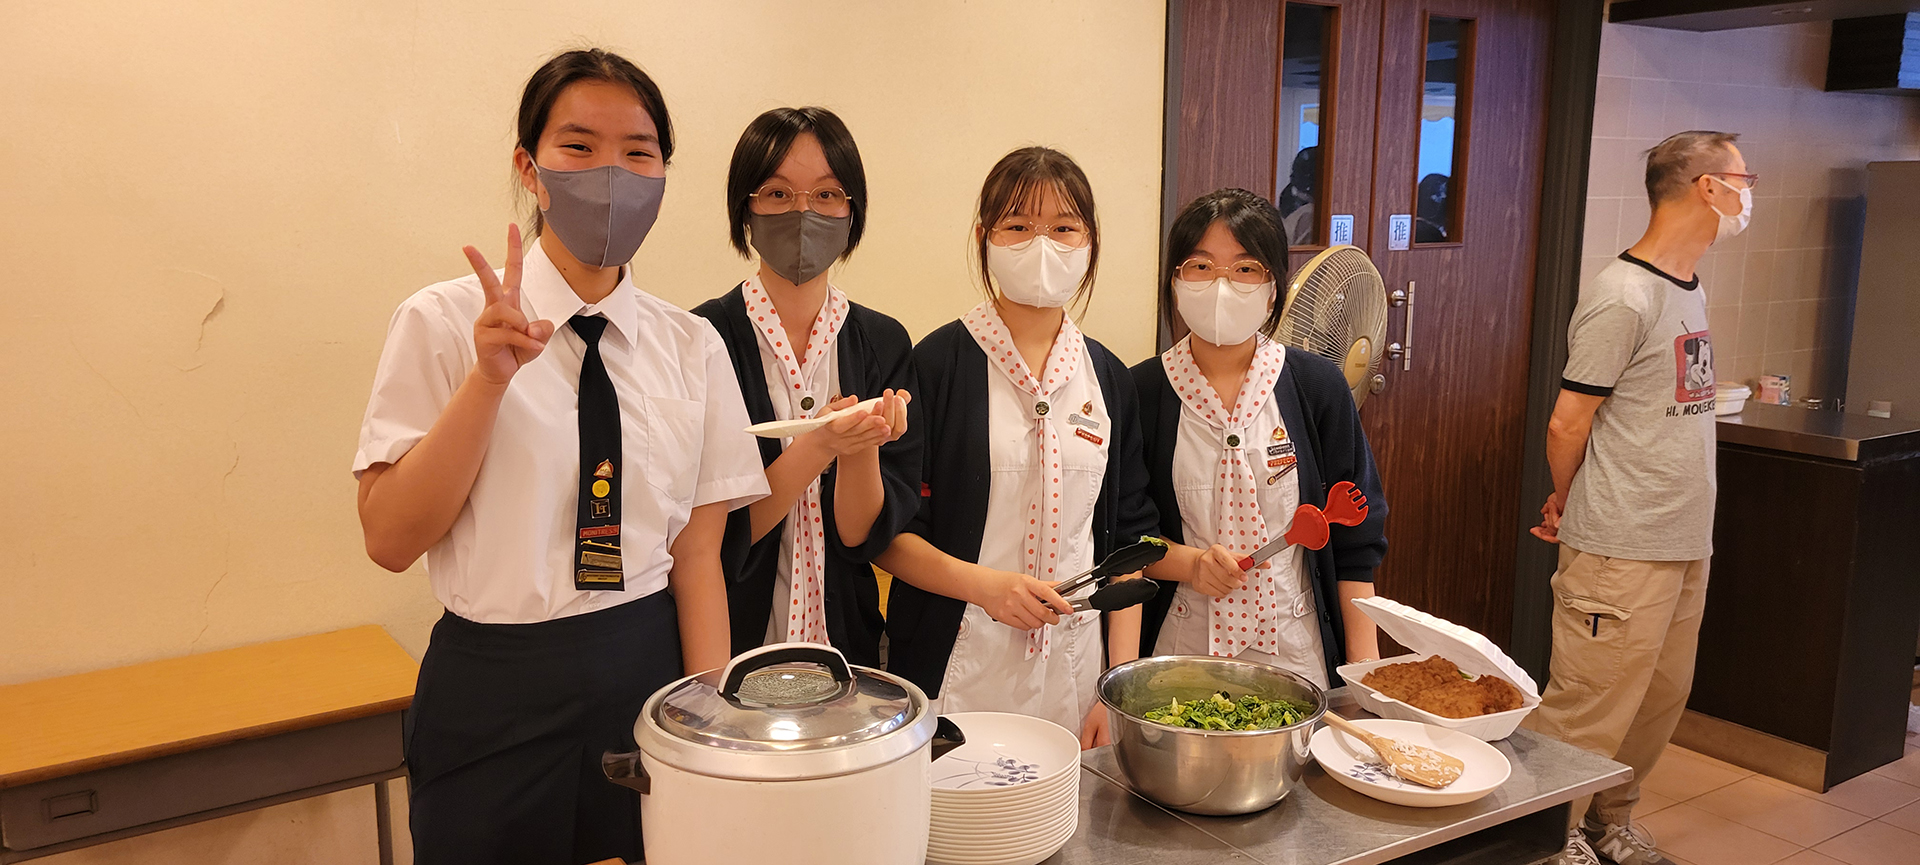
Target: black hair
[1252,220]
[1015,181]
[764,145]
[586,64]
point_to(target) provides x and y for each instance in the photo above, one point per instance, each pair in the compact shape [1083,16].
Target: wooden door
[1461,133]
[1447,430]
[1249,71]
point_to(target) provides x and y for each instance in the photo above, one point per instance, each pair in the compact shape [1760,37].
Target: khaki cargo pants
[1625,633]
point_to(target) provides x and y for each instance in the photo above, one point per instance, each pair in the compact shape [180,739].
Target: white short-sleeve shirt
[508,557]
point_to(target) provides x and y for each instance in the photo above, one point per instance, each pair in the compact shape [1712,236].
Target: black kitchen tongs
[1125,560]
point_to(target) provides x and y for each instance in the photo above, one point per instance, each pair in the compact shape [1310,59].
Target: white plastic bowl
[1486,728]
[1355,765]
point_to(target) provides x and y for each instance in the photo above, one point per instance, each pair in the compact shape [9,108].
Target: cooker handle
[625,770]
[946,737]
[755,660]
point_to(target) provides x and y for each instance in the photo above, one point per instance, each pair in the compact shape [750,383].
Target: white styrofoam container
[1731,398]
[1429,635]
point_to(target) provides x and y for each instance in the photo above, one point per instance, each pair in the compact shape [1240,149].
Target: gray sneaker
[1631,844]
[1577,852]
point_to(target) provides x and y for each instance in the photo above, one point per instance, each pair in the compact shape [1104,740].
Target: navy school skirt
[508,723]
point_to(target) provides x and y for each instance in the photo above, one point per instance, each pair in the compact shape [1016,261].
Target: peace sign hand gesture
[503,339]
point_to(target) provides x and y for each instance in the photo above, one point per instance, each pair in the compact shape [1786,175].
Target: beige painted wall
[212,207]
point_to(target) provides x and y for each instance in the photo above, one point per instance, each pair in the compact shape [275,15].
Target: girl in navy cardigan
[1033,470]
[798,560]
[1239,431]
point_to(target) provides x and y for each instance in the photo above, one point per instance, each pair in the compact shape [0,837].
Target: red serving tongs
[1346,505]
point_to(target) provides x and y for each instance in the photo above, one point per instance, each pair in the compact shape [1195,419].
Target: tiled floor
[1705,812]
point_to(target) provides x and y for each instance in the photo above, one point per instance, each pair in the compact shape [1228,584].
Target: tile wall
[1780,295]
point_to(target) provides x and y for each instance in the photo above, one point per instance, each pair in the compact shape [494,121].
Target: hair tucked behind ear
[1252,220]
[587,64]
[764,145]
[1016,180]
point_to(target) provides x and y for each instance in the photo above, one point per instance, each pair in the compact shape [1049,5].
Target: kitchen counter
[1811,593]
[1324,823]
[1829,434]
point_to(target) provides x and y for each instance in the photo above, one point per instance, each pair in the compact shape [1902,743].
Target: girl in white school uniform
[564,448]
[1239,431]
[1032,473]
[798,560]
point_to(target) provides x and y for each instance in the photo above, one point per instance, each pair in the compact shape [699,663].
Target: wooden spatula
[1409,762]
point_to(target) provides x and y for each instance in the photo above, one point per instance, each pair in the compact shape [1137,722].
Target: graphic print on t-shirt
[1693,367]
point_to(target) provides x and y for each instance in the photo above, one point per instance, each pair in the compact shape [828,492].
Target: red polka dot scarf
[1246,616]
[805,381]
[1042,557]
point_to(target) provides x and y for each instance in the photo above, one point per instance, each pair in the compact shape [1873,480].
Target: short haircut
[1017,181]
[1674,164]
[587,64]
[764,145]
[1252,220]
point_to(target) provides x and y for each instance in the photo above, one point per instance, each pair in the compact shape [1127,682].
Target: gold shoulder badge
[1279,433]
[604,470]
[1086,408]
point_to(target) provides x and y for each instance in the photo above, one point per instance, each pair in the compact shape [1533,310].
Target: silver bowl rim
[1319,695]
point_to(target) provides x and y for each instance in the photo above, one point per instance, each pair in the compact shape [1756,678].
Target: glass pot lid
[784,698]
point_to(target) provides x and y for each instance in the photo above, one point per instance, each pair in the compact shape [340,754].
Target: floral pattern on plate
[1376,773]
[1002,771]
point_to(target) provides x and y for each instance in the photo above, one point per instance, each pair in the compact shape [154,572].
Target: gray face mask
[799,244]
[601,214]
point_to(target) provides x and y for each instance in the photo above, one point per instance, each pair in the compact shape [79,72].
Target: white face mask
[1044,273]
[1219,314]
[1733,223]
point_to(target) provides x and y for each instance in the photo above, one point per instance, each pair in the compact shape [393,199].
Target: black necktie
[597,559]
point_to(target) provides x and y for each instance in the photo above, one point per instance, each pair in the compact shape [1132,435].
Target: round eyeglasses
[1018,232]
[1244,274]
[776,198]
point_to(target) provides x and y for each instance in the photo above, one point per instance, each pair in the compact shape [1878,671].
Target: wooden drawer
[167,788]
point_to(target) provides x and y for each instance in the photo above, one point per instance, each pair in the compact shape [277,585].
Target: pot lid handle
[753,661]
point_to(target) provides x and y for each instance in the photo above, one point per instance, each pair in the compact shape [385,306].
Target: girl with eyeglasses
[798,560]
[1033,470]
[1239,431]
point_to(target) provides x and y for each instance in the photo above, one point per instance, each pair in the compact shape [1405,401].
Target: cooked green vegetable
[1221,712]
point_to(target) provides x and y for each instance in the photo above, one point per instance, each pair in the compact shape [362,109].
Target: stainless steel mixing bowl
[1207,771]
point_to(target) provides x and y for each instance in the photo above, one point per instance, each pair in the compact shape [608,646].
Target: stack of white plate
[1009,796]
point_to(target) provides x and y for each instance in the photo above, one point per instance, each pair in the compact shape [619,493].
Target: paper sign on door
[1340,229]
[1399,230]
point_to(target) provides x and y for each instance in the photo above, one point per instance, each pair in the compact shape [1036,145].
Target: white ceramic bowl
[1025,835]
[1052,789]
[1025,853]
[1355,765]
[1004,751]
[999,824]
[1005,817]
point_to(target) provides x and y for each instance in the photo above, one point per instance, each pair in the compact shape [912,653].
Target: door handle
[1402,351]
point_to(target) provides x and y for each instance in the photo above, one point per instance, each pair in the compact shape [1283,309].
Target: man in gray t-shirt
[1631,446]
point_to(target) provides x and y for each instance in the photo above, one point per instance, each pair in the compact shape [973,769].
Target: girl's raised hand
[856,432]
[503,339]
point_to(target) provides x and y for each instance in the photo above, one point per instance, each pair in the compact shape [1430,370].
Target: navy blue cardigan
[922,626]
[874,353]
[1313,397]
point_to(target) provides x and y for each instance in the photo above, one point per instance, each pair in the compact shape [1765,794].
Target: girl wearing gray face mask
[564,449]
[796,196]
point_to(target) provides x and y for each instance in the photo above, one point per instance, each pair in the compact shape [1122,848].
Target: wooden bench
[100,756]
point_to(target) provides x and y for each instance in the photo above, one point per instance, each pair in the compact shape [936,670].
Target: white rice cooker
[788,749]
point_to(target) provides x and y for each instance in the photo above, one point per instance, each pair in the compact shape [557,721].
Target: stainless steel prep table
[1324,823]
